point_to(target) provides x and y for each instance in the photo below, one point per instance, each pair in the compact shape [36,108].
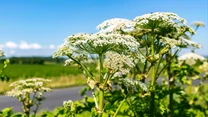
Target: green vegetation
[16,71]
[61,76]
[128,53]
[33,60]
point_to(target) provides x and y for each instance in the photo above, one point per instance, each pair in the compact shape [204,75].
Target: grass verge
[56,82]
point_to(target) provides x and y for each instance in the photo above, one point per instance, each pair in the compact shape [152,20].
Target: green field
[60,75]
[16,71]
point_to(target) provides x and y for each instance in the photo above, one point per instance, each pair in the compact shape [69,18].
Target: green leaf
[7,112]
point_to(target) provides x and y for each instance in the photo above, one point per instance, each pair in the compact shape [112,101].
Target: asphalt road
[53,99]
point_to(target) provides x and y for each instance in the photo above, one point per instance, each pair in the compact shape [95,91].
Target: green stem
[27,107]
[190,87]
[152,104]
[83,67]
[171,83]
[119,107]
[23,105]
[36,109]
[152,100]
[167,63]
[101,91]
[101,100]
[158,66]
[106,81]
[33,99]
[153,77]
[145,65]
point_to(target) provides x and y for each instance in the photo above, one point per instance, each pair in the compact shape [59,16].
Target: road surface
[53,99]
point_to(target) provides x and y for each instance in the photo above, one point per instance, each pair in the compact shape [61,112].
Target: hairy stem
[145,65]
[158,66]
[101,91]
[171,83]
[152,100]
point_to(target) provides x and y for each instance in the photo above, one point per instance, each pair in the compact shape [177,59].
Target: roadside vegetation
[129,57]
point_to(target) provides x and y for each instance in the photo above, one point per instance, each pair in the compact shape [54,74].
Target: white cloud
[25,45]
[23,48]
[52,46]
[11,44]
[35,46]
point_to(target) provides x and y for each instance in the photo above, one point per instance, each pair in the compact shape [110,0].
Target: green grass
[16,71]
[61,76]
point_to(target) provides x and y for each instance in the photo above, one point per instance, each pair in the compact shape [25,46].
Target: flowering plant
[29,92]
[147,45]
[6,62]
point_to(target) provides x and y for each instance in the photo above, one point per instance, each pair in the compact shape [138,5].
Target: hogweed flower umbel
[180,42]
[63,50]
[117,63]
[191,58]
[198,24]
[115,25]
[29,92]
[23,87]
[133,84]
[161,19]
[101,42]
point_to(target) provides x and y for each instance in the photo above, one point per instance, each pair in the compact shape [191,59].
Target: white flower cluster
[168,17]
[162,20]
[132,85]
[187,42]
[63,50]
[191,58]
[68,62]
[101,42]
[1,53]
[156,20]
[115,25]
[181,42]
[169,25]
[198,23]
[24,87]
[117,63]
[168,41]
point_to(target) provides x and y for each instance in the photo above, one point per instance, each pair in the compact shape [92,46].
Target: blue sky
[37,27]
